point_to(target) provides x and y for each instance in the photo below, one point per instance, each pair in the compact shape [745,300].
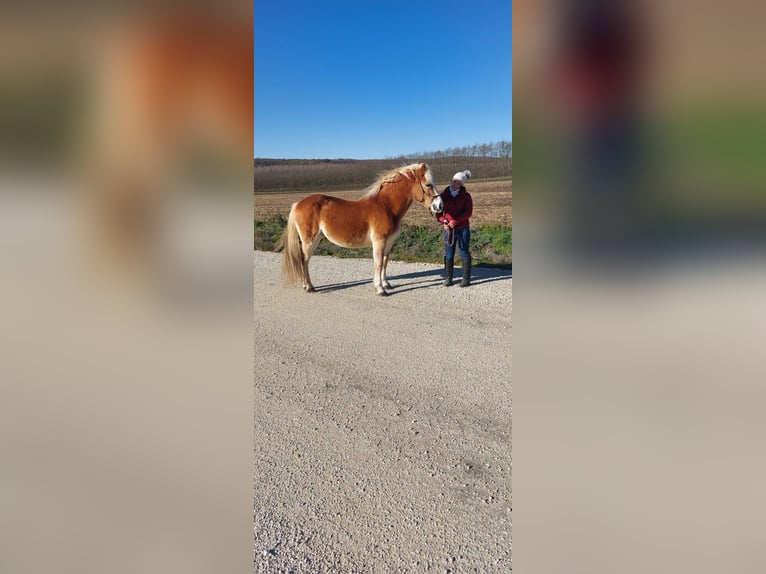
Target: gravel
[382,424]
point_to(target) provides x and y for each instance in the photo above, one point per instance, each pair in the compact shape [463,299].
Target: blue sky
[373,79]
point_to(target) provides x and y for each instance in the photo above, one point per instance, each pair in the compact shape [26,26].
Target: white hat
[462,176]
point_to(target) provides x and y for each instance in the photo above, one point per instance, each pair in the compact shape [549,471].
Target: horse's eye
[429,185]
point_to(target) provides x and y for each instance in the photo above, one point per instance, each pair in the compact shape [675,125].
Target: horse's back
[322,200]
[330,206]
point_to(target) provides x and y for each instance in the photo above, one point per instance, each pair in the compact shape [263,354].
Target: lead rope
[449,240]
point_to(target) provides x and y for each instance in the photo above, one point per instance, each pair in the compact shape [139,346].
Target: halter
[425,188]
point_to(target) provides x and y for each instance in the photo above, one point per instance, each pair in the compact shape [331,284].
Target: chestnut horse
[375,220]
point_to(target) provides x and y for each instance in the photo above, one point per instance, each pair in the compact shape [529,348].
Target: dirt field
[491,203]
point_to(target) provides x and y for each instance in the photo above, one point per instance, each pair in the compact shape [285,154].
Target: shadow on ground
[429,278]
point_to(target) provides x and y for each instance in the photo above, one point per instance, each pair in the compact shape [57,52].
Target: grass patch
[491,244]
[268,232]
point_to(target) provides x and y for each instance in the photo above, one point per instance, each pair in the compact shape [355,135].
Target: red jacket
[458,209]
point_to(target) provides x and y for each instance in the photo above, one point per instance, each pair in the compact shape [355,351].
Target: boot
[466,272]
[449,269]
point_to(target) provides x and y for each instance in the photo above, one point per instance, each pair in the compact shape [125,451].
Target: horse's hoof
[388,286]
[382,293]
[309,289]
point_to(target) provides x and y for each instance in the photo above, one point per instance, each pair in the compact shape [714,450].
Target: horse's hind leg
[307,249]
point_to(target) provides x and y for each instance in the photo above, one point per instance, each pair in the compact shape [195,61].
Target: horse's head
[424,188]
[437,205]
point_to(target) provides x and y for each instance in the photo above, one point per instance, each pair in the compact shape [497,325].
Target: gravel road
[382,424]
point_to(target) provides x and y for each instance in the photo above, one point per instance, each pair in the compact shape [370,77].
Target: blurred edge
[127,403]
[640,130]
[126,234]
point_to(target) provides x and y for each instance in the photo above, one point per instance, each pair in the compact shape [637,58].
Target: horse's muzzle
[437,205]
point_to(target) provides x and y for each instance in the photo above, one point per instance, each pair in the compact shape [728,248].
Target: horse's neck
[395,201]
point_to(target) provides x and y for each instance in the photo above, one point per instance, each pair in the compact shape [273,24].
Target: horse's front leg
[377,259]
[386,253]
[383,278]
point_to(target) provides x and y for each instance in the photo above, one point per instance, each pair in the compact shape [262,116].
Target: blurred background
[125,238]
[639,132]
[126,292]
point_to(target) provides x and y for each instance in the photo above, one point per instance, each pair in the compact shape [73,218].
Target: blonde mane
[389,176]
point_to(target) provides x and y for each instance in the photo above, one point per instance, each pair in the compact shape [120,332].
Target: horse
[374,219]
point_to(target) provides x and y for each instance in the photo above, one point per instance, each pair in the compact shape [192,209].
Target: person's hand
[452,224]
[445,224]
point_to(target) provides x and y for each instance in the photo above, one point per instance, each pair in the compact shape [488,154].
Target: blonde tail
[292,257]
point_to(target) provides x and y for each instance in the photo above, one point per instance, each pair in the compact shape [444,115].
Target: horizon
[401,156]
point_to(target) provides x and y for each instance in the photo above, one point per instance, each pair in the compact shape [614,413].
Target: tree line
[499,149]
[274,175]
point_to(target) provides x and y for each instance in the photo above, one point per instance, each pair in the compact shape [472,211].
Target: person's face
[456,184]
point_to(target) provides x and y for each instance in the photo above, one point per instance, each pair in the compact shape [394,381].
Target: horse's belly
[351,240]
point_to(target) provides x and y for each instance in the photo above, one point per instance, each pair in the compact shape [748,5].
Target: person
[458,208]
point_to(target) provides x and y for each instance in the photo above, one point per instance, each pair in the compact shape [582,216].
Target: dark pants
[462,241]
